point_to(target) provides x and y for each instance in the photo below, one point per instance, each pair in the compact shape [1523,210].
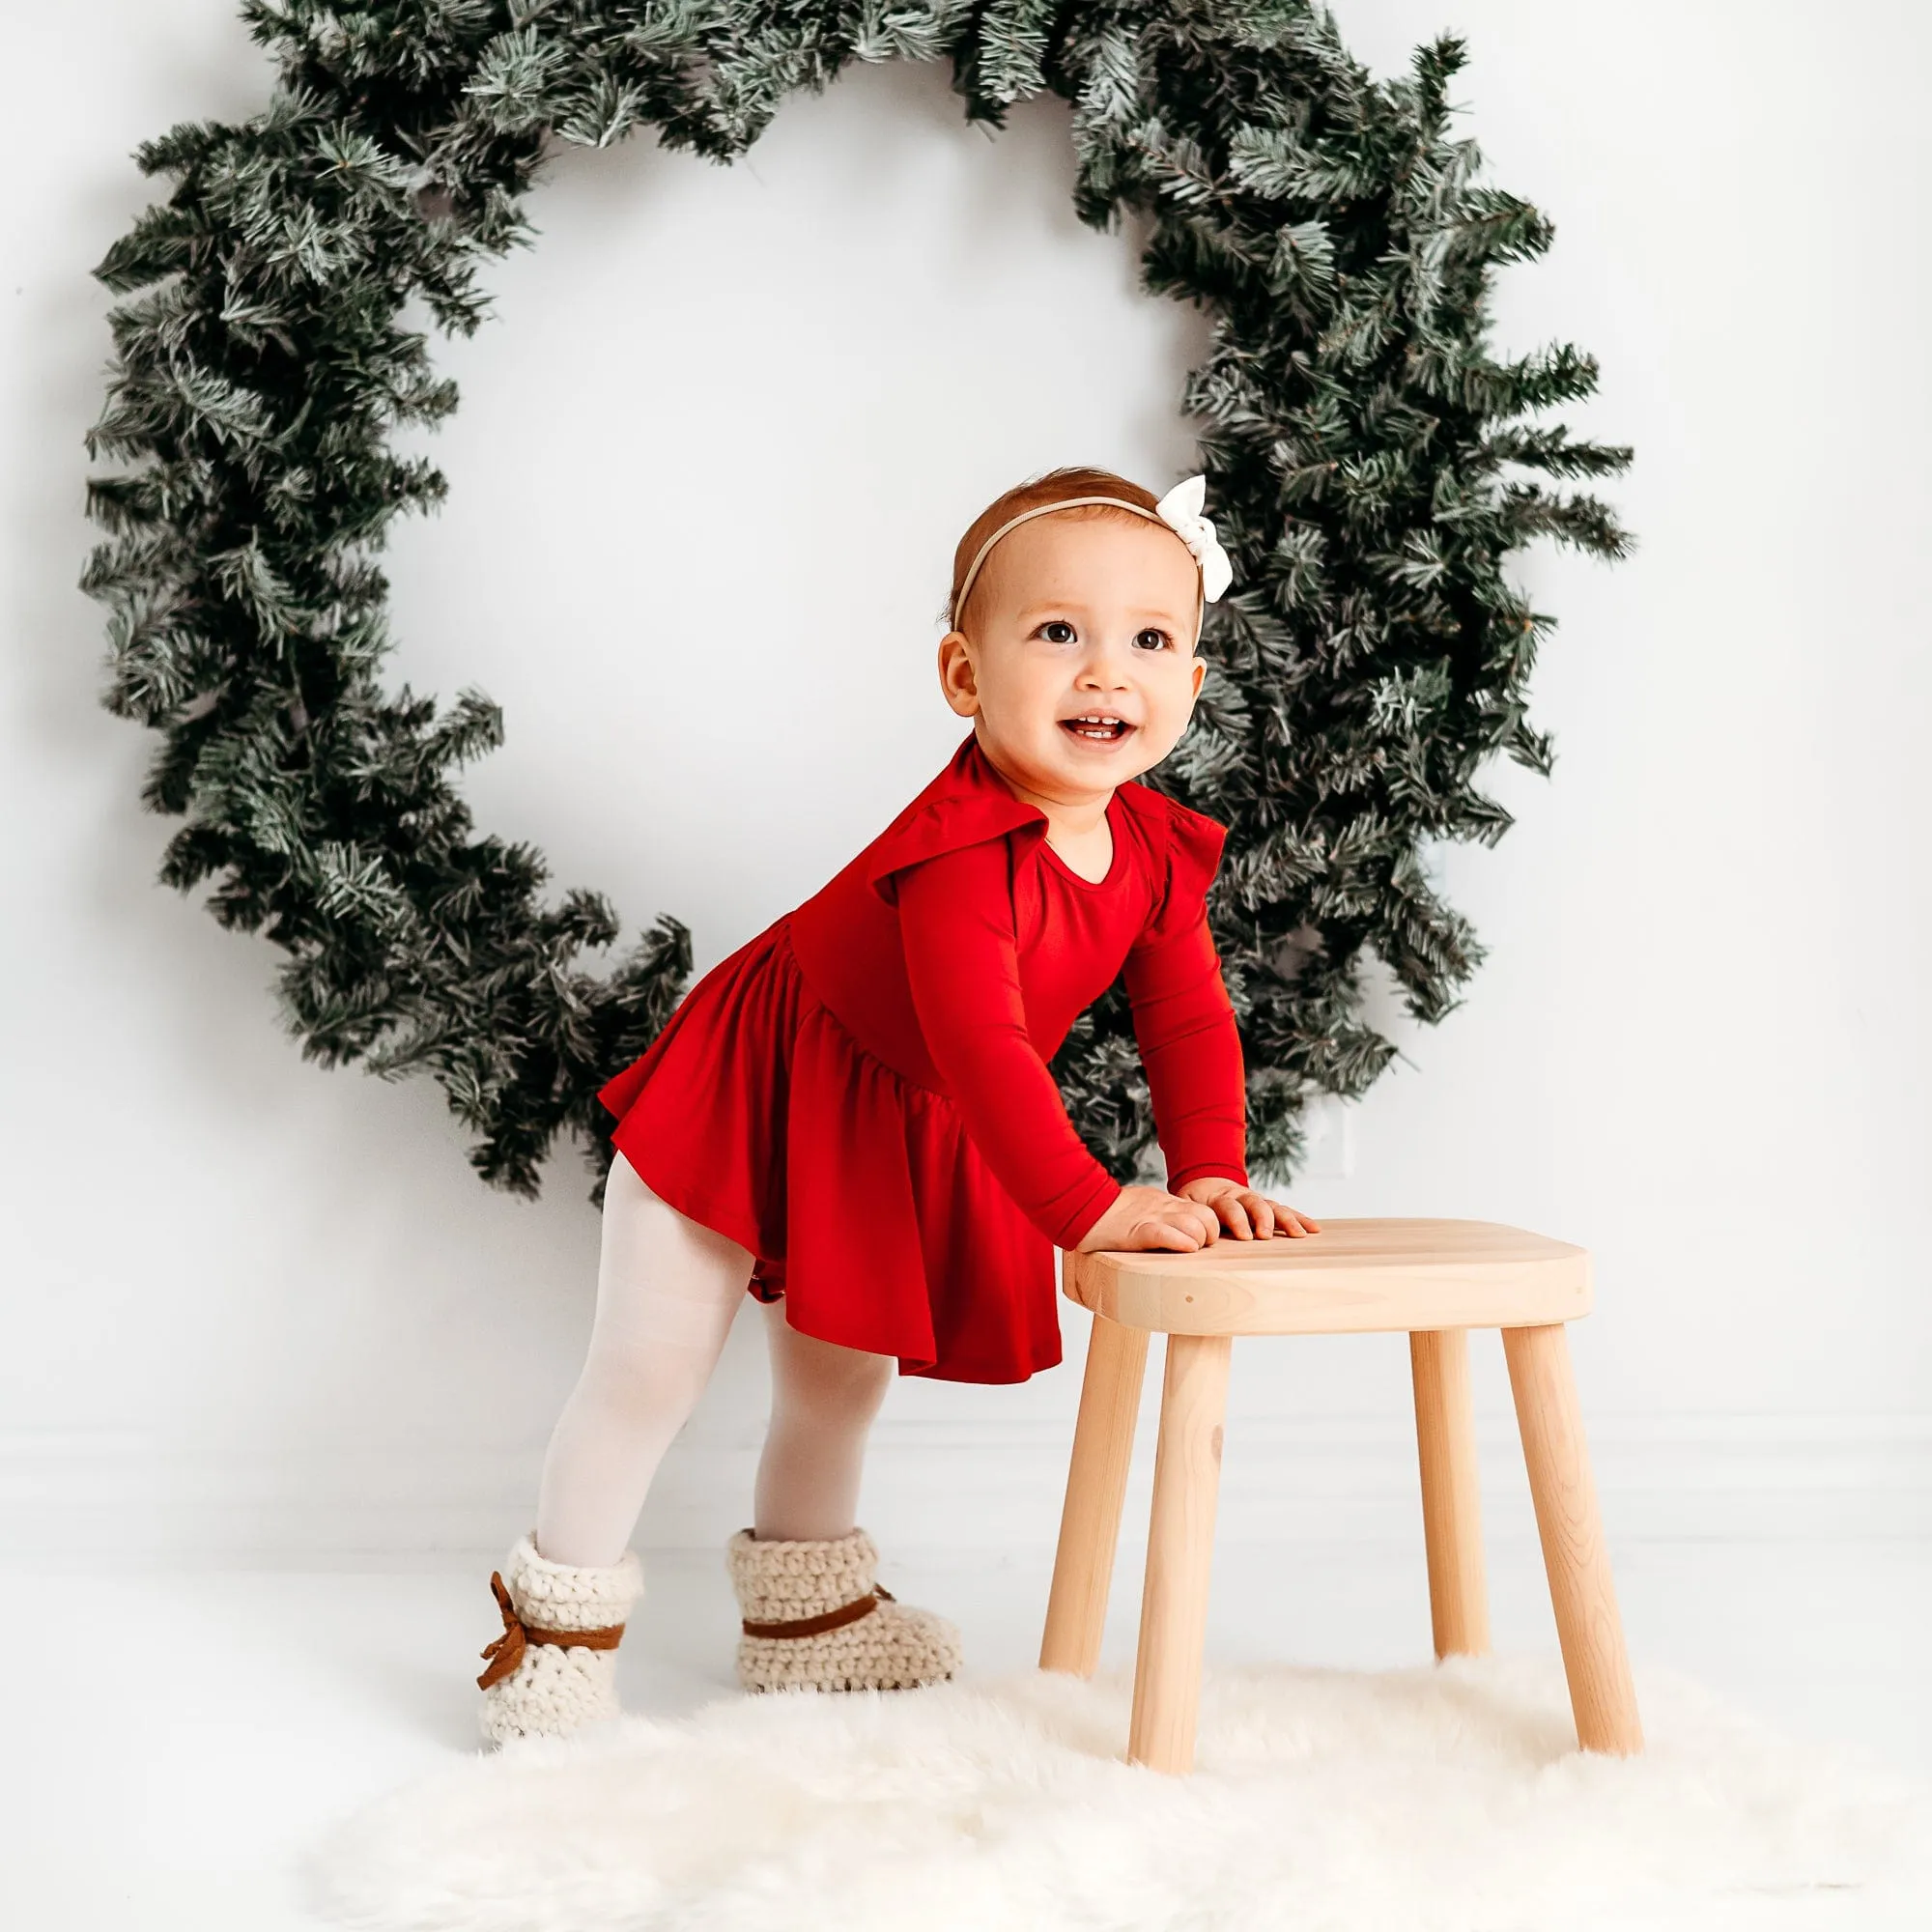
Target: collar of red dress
[967,803]
[971,770]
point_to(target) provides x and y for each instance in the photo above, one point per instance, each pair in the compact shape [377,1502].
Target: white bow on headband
[1181,511]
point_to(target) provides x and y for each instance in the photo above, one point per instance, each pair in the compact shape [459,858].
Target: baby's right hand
[1151,1217]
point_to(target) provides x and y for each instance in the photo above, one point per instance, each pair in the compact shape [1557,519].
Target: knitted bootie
[554,1667]
[815,1619]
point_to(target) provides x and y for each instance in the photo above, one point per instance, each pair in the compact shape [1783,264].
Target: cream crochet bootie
[554,1667]
[815,1619]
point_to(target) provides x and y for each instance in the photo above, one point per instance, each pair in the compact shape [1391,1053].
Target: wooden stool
[1433,1280]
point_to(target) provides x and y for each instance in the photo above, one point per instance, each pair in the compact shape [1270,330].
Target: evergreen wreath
[1372,463]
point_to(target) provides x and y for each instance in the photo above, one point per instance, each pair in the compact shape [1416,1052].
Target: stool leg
[1181,1550]
[1096,1484]
[1452,1508]
[1588,1627]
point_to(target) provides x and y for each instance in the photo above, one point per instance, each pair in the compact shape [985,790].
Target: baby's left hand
[1245,1214]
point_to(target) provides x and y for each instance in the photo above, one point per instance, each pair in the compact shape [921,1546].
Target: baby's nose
[1106,667]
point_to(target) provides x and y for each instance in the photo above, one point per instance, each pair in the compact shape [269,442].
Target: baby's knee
[822,1374]
[637,1374]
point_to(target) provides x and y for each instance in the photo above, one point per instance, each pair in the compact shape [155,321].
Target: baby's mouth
[1096,727]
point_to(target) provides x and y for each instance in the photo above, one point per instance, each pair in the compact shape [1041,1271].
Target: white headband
[1180,510]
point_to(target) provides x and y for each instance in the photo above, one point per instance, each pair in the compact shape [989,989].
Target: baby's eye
[1151,639]
[1056,631]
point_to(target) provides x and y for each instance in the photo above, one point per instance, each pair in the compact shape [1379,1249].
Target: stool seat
[1355,1277]
[1434,1280]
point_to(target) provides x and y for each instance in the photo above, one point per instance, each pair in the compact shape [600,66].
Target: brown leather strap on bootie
[832,1620]
[506,1652]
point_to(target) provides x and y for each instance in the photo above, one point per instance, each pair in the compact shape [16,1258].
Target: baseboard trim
[76,1498]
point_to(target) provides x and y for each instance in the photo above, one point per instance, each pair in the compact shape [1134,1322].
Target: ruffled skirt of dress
[861,1194]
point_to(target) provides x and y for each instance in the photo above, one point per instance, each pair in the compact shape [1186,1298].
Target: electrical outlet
[1330,1126]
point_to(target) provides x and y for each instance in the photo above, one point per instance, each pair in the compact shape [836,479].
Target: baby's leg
[823,1401]
[667,1291]
[806,1575]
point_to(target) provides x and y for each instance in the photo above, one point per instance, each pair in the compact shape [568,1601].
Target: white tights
[667,1291]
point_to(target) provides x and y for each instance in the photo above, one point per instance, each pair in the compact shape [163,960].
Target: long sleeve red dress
[860,1094]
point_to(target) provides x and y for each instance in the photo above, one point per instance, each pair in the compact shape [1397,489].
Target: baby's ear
[958,676]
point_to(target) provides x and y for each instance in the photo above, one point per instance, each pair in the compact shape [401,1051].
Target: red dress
[860,1094]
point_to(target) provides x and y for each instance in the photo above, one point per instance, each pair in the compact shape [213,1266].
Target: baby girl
[852,1115]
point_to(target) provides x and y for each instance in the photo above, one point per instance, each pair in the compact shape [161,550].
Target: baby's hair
[1056,486]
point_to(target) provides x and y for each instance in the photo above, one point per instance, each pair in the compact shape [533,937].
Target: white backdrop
[706,477]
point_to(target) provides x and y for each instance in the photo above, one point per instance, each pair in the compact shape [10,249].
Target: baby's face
[1077,658]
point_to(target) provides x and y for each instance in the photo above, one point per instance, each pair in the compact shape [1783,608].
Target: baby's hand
[1151,1217]
[1248,1215]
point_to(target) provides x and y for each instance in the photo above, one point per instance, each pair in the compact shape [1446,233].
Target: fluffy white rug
[1447,1798]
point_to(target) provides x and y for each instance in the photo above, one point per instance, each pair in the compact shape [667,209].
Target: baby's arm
[1184,1025]
[962,964]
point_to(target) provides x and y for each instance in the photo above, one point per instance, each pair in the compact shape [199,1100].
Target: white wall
[706,477]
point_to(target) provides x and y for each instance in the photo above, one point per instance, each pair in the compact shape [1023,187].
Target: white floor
[177,1737]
